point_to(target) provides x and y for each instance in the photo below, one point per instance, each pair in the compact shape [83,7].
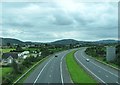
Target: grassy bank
[6,50]
[4,71]
[102,60]
[99,53]
[25,77]
[77,73]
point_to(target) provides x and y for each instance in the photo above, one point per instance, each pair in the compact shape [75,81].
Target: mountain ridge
[12,41]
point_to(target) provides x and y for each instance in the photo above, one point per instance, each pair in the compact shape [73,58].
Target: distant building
[8,57]
[111,53]
[23,54]
[40,53]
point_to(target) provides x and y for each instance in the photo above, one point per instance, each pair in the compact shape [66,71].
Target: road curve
[52,70]
[101,72]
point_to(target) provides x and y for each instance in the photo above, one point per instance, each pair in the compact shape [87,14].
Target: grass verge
[4,71]
[78,75]
[101,56]
[110,64]
[21,81]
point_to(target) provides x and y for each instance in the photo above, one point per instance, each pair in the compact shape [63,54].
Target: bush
[15,66]
[104,59]
[7,80]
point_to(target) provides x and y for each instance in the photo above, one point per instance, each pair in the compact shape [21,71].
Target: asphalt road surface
[52,70]
[101,72]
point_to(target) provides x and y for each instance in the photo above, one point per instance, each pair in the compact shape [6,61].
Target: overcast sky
[47,21]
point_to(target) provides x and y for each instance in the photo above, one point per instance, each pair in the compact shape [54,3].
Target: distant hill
[107,41]
[72,41]
[65,41]
[12,41]
[58,42]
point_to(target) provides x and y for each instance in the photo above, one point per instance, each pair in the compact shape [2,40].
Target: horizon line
[61,39]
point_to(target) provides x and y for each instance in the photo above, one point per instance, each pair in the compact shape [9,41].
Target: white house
[24,54]
[8,57]
[39,53]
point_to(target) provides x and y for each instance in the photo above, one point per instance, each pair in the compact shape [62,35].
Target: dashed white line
[49,75]
[41,71]
[106,75]
[105,69]
[101,67]
[61,70]
[89,70]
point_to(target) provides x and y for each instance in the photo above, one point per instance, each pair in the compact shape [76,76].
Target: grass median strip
[77,73]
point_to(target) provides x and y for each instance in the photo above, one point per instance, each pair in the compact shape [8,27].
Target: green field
[5,70]
[0,72]
[77,73]
[6,50]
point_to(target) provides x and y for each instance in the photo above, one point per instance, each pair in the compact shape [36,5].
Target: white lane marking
[61,73]
[105,70]
[117,82]
[63,57]
[41,71]
[61,70]
[102,67]
[89,70]
[106,75]
[49,75]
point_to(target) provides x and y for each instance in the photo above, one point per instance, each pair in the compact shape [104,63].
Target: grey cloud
[62,18]
[81,21]
[47,19]
[15,24]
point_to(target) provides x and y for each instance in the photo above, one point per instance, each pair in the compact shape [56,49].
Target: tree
[118,55]
[8,44]
[15,66]
[19,49]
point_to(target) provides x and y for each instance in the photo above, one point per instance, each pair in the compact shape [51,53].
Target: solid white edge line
[89,70]
[61,73]
[41,71]
[105,70]
[117,82]
[101,67]
[61,70]
[26,72]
